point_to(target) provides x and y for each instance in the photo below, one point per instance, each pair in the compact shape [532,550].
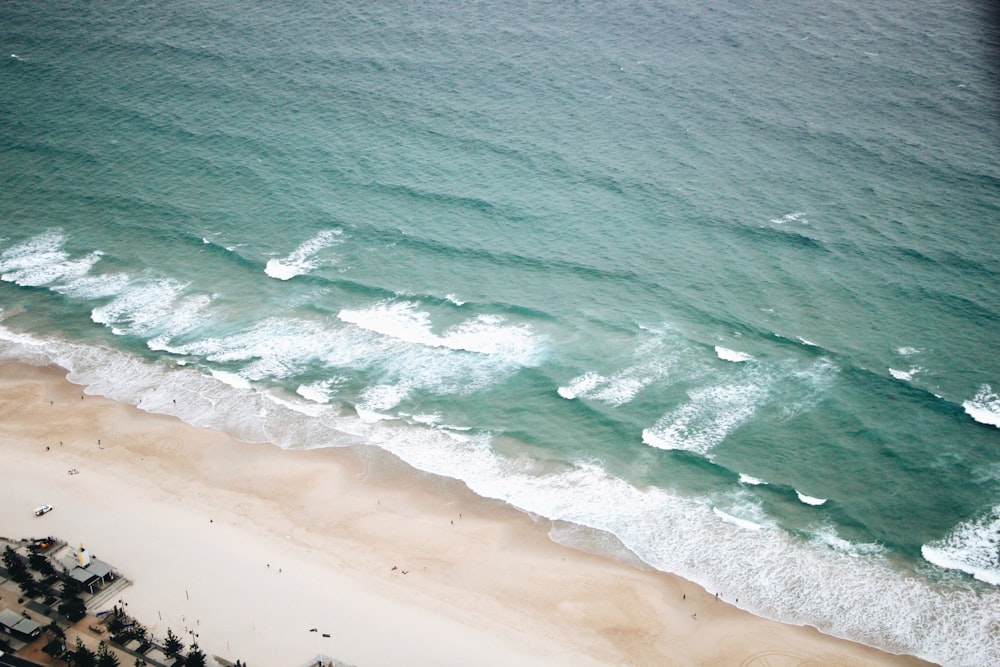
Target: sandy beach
[250,546]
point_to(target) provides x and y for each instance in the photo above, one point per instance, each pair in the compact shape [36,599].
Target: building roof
[87,575]
[28,627]
[99,568]
[9,618]
[14,621]
[83,575]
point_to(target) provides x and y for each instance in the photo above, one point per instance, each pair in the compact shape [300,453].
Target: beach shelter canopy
[83,575]
[99,568]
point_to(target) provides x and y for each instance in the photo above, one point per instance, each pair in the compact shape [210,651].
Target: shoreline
[251,546]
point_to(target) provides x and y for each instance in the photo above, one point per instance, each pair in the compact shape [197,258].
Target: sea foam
[752,481]
[905,376]
[726,354]
[319,392]
[972,547]
[41,261]
[654,360]
[153,307]
[303,259]
[710,414]
[810,500]
[736,521]
[484,334]
[615,391]
[797,216]
[581,385]
[984,407]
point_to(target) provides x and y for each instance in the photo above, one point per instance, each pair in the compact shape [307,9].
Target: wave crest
[984,407]
[303,259]
[972,547]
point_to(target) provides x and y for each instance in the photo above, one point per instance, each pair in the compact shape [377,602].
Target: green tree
[56,647]
[116,622]
[136,631]
[70,587]
[55,630]
[74,609]
[105,657]
[83,656]
[195,657]
[16,566]
[12,561]
[57,640]
[29,587]
[173,646]
[41,564]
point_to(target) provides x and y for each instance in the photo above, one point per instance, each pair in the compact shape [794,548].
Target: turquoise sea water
[718,284]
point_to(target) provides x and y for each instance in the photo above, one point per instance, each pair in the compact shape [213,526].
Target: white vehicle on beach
[43,509]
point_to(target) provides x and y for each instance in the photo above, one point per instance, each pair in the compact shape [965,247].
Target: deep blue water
[716,284]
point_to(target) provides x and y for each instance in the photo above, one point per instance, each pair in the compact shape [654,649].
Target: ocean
[708,286]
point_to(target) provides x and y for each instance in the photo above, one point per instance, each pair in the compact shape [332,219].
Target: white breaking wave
[985,407]
[736,521]
[582,385]
[905,376]
[316,393]
[907,351]
[620,390]
[319,392]
[153,307]
[429,419]
[797,216]
[303,259]
[752,481]
[375,400]
[41,261]
[827,534]
[740,508]
[726,354]
[972,547]
[655,360]
[138,306]
[483,334]
[284,347]
[615,391]
[713,412]
[232,379]
[706,419]
[810,500]
[94,287]
[309,409]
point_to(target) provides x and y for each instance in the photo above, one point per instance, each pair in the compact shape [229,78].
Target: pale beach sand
[251,546]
